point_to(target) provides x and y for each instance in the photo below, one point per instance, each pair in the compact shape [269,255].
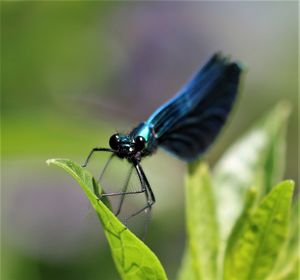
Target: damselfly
[185,126]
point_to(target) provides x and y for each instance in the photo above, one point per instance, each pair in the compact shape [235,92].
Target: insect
[185,126]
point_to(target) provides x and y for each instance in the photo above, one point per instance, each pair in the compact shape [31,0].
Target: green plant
[238,225]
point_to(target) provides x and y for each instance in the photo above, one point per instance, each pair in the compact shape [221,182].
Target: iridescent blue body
[187,124]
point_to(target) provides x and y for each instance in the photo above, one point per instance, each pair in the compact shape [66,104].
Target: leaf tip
[287,186]
[252,192]
[290,182]
[196,166]
[50,161]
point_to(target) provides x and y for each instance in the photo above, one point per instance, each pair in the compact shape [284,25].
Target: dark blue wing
[189,123]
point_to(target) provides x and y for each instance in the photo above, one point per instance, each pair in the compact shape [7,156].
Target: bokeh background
[73,73]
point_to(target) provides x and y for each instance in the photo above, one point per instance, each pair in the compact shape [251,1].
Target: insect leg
[96,186]
[143,189]
[95,150]
[124,189]
[147,189]
[105,167]
[124,192]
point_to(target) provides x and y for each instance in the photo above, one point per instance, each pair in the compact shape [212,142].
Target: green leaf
[273,157]
[133,259]
[254,254]
[293,240]
[200,260]
[257,159]
[187,271]
[289,272]
[238,229]
[287,265]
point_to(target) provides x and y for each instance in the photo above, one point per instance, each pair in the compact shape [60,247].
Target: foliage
[133,259]
[200,205]
[238,225]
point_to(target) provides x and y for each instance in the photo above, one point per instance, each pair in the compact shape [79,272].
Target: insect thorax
[147,132]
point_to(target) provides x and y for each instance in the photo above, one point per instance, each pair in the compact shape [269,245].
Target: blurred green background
[73,73]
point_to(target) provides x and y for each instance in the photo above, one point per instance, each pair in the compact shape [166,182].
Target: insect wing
[188,124]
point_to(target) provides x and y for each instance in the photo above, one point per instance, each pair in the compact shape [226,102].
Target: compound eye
[114,142]
[140,143]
